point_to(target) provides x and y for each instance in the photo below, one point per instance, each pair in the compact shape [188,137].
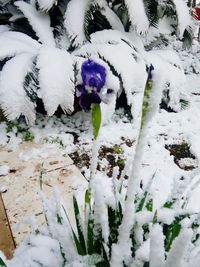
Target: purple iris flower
[93,74]
[91,89]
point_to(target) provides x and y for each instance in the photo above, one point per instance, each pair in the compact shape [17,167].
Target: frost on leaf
[56,78]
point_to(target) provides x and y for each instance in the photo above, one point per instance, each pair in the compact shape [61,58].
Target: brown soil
[180,151]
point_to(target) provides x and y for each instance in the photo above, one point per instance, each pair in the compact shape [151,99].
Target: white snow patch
[4,170]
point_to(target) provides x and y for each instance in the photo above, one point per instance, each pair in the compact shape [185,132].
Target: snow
[179,248]
[157,251]
[4,170]
[39,22]
[56,87]
[13,98]
[74,17]
[16,43]
[137,15]
[112,18]
[45,5]
[184,18]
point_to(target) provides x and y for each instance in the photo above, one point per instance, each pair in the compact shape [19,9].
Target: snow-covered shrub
[43,43]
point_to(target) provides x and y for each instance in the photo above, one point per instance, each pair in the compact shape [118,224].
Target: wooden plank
[7,244]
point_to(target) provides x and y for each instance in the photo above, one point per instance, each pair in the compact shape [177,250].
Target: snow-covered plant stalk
[120,255]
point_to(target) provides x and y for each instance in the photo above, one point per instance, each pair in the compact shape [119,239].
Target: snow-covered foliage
[115,228]
[54,36]
[161,238]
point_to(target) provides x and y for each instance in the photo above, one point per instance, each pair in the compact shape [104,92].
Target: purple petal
[93,74]
[87,99]
[95,98]
[85,102]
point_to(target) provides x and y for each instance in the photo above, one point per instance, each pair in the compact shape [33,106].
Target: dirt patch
[183,157]
[114,157]
[80,159]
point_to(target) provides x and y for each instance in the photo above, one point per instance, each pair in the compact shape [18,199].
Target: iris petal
[87,99]
[93,74]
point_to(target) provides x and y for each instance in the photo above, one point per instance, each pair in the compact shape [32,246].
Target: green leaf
[149,205]
[98,238]
[90,234]
[28,136]
[96,119]
[114,221]
[155,219]
[142,201]
[169,204]
[79,227]
[146,101]
[2,263]
[88,196]
[172,232]
[76,241]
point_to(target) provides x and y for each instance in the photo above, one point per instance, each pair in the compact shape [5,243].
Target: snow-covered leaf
[96,119]
[13,99]
[45,5]
[183,16]
[110,15]
[157,250]
[137,15]
[74,20]
[40,22]
[13,43]
[56,78]
[179,248]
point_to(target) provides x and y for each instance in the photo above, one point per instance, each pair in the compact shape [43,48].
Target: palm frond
[56,87]
[31,83]
[40,22]
[151,8]
[46,5]
[188,36]
[95,20]
[137,15]
[75,27]
[13,99]
[14,43]
[121,11]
